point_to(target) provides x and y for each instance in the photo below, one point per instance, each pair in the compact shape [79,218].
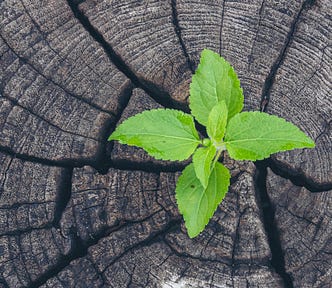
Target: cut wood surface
[78,211]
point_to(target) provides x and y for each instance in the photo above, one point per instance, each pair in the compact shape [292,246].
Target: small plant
[216,101]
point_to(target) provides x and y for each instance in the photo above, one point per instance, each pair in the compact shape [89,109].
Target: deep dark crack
[63,163]
[103,160]
[178,30]
[298,178]
[79,249]
[63,196]
[268,215]
[34,159]
[196,258]
[269,81]
[155,92]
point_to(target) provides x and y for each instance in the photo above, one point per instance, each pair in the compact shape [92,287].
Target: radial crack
[66,163]
[269,81]
[178,30]
[296,177]
[63,196]
[103,159]
[271,229]
[154,91]
[79,249]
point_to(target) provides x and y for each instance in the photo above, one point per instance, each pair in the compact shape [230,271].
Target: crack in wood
[80,247]
[314,72]
[5,175]
[326,128]
[270,79]
[236,239]
[35,159]
[271,229]
[221,26]
[63,196]
[24,203]
[103,159]
[178,30]
[298,178]
[66,163]
[225,261]
[154,91]
[196,258]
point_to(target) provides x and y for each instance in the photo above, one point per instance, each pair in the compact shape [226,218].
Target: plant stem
[216,158]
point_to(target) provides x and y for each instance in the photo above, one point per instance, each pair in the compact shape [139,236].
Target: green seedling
[216,102]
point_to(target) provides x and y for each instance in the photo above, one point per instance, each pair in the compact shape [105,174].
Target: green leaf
[214,80]
[202,161]
[256,135]
[217,122]
[196,203]
[164,133]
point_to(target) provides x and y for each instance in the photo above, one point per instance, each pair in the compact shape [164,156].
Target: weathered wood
[143,36]
[304,221]
[29,242]
[135,212]
[28,195]
[78,211]
[249,34]
[302,92]
[59,90]
[99,201]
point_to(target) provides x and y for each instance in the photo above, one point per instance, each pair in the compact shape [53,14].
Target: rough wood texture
[304,221]
[77,211]
[141,33]
[58,90]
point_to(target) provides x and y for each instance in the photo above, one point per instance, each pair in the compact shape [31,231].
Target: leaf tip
[111,137]
[193,234]
[311,143]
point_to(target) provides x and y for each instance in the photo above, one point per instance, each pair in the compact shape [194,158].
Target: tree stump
[78,211]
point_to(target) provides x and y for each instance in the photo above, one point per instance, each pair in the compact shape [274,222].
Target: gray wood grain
[304,221]
[78,211]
